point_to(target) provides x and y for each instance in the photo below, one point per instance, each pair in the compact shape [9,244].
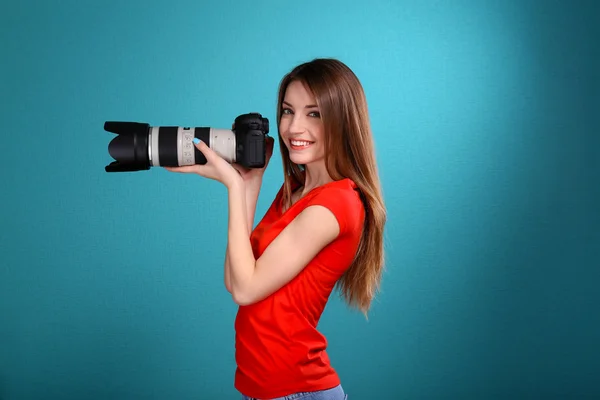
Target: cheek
[317,130]
[321,148]
[283,124]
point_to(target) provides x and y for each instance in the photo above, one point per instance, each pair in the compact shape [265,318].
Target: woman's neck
[315,176]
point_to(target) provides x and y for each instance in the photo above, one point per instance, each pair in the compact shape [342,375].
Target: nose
[296,125]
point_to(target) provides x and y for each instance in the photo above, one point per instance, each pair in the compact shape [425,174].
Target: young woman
[323,229]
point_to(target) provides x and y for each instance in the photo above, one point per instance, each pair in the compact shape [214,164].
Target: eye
[286,110]
[315,114]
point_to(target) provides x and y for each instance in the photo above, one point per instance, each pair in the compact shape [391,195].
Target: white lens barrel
[222,141]
[180,140]
[153,147]
[185,146]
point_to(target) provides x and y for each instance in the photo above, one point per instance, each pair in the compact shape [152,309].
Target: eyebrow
[308,106]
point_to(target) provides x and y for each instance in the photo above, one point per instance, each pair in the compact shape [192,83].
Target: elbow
[240,298]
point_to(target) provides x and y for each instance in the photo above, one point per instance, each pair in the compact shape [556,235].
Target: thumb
[206,151]
[200,145]
[270,144]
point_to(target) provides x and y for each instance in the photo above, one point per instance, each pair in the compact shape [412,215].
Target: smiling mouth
[300,144]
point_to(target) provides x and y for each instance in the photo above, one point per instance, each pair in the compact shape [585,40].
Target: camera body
[139,146]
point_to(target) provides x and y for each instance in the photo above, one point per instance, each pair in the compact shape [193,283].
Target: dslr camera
[139,146]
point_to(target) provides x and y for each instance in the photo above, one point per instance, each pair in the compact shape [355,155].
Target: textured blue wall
[486,124]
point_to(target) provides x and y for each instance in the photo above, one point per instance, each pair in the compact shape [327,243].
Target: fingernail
[196,140]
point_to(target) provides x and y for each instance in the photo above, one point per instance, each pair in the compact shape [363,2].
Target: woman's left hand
[216,167]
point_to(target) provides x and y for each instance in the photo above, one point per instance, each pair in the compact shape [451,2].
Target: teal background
[485,117]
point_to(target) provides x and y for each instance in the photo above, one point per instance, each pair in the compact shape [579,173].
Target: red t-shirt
[278,348]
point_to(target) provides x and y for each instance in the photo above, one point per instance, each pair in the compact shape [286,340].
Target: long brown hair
[349,153]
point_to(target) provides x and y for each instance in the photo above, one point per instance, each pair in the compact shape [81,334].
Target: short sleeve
[343,203]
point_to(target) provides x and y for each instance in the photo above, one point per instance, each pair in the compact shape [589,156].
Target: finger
[203,147]
[239,168]
[186,169]
[198,143]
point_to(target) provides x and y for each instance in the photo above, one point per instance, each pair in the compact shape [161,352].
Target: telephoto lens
[139,146]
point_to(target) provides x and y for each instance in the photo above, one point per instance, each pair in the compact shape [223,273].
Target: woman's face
[301,127]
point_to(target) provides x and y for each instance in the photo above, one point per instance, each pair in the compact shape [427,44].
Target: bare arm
[251,196]
[252,280]
[252,182]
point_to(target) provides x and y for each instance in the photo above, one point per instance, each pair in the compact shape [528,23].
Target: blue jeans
[336,393]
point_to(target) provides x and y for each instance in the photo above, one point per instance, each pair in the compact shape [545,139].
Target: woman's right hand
[253,176]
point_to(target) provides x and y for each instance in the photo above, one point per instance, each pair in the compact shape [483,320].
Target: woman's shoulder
[343,199]
[343,194]
[345,188]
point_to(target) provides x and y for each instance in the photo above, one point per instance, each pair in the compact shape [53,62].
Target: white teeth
[299,143]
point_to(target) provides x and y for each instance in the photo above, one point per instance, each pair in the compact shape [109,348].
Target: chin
[306,160]
[301,160]
[304,157]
